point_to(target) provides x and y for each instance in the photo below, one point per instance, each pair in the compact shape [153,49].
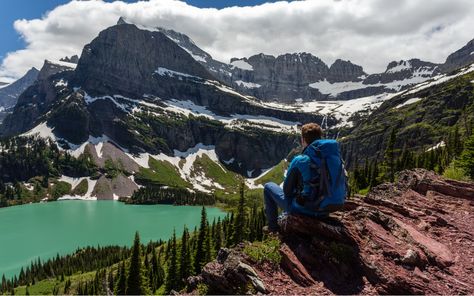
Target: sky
[370,33]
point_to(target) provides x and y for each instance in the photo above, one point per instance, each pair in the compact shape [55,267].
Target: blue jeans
[274,198]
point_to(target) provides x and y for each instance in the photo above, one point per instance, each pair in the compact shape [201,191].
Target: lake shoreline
[82,224]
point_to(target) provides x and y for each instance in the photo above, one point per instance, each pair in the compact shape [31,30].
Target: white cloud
[368,32]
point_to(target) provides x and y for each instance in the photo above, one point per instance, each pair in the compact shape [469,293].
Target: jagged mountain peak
[121,21]
[74,59]
[124,58]
[409,65]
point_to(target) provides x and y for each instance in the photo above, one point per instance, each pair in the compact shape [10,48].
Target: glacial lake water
[46,229]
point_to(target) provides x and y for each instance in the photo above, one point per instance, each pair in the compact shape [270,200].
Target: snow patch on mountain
[247,84]
[235,120]
[334,89]
[64,64]
[195,56]
[342,110]
[242,65]
[74,182]
[439,79]
[89,100]
[403,65]
[43,131]
[408,102]
[171,73]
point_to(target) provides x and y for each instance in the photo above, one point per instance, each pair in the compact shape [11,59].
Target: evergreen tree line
[372,172]
[170,195]
[22,158]
[167,267]
[83,260]
[35,160]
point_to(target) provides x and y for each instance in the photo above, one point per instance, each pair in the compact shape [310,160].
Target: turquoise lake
[46,229]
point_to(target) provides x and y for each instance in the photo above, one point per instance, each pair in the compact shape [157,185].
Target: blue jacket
[299,175]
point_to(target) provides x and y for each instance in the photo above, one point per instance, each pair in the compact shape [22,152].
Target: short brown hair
[311,132]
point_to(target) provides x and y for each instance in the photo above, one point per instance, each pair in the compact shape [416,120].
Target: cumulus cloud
[370,33]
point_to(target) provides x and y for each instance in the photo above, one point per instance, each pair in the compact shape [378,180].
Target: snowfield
[235,120]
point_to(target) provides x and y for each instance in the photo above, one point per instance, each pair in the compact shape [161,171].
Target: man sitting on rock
[315,183]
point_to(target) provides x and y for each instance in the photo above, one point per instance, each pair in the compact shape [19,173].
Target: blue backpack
[328,178]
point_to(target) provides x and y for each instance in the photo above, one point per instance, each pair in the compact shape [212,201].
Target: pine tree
[172,274]
[390,155]
[111,280]
[218,241]
[185,266]
[207,246]
[466,160]
[121,285]
[136,281]
[374,176]
[239,225]
[157,271]
[199,259]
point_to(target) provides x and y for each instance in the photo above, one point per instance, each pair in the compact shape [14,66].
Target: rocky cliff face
[9,94]
[410,237]
[460,58]
[342,71]
[74,59]
[36,100]
[124,60]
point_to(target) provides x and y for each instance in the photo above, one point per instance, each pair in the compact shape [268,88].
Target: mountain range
[151,101]
[304,77]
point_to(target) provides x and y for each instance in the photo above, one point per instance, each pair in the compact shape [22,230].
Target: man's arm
[290,185]
[293,180]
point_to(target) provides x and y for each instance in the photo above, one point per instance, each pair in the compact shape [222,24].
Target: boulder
[229,274]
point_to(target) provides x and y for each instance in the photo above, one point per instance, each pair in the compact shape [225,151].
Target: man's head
[310,132]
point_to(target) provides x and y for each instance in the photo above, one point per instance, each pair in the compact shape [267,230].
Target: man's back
[316,179]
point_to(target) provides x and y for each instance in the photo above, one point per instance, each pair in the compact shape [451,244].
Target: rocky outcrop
[74,59]
[229,274]
[410,237]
